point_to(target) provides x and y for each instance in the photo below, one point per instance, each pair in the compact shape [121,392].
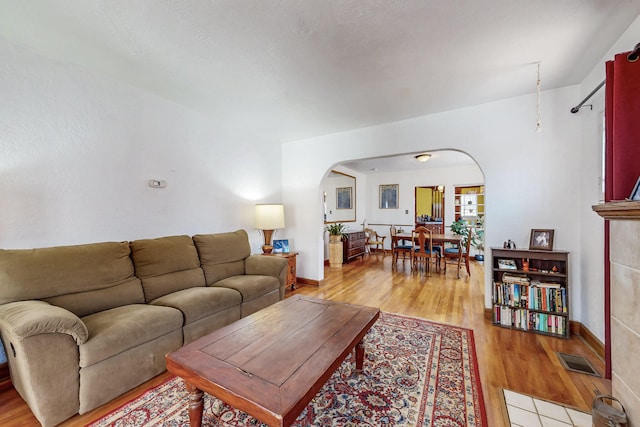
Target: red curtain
[622,113]
[622,157]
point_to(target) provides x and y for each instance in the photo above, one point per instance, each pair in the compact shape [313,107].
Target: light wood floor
[519,361]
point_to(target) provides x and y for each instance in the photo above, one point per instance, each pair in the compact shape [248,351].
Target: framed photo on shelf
[507,264]
[541,240]
[389,196]
[281,246]
[343,197]
[635,193]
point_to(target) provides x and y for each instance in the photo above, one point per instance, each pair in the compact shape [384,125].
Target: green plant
[336,229]
[477,237]
[459,227]
[477,240]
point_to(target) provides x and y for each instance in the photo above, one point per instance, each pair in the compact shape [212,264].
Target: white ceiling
[439,159]
[292,69]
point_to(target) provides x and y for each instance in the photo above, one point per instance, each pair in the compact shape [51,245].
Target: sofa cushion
[198,303]
[250,286]
[113,331]
[222,255]
[166,265]
[83,279]
[85,303]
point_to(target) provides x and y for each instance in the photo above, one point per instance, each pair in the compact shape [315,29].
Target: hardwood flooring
[519,361]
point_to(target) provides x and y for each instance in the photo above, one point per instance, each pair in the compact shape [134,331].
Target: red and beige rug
[416,373]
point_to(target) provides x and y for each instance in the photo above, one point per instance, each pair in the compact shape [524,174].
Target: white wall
[547,180]
[77,151]
[407,181]
[531,178]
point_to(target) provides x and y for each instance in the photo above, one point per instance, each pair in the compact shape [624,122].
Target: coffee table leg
[359,356]
[195,405]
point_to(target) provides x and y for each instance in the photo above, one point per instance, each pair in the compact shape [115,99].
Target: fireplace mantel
[624,297]
[623,209]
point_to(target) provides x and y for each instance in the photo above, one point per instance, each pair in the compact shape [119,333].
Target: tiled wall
[625,315]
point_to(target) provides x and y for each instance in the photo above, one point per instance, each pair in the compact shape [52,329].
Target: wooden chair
[453,253]
[398,247]
[422,249]
[374,239]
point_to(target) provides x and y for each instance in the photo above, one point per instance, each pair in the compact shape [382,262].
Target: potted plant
[336,229]
[335,244]
[477,240]
[459,227]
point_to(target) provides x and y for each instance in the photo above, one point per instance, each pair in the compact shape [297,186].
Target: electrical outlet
[157,183]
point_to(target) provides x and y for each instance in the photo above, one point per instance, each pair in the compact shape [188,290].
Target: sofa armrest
[268,266]
[30,318]
[42,343]
[265,265]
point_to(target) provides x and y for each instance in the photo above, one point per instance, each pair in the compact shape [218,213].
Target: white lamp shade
[269,217]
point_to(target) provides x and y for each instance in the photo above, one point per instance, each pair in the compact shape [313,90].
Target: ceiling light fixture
[423,157]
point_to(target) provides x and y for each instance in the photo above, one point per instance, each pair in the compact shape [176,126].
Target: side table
[291,272]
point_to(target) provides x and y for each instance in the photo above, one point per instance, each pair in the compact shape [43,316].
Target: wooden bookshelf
[531,290]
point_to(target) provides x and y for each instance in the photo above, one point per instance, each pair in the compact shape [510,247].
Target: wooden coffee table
[272,363]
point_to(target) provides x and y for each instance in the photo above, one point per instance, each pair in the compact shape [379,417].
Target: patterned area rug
[416,373]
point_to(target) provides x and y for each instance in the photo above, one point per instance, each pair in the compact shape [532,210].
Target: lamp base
[267,248]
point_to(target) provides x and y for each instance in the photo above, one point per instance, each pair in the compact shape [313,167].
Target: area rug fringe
[416,373]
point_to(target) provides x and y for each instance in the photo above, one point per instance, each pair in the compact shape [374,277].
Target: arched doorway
[401,174]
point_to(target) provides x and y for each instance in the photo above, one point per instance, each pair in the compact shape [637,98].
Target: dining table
[436,238]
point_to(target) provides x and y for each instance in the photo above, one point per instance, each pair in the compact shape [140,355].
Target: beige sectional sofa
[83,324]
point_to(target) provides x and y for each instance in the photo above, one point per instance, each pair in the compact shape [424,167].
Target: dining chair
[453,253]
[422,249]
[398,246]
[374,239]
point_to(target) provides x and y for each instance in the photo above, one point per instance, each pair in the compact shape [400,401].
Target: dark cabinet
[353,245]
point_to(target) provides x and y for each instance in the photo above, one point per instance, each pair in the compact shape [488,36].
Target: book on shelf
[552,298]
[522,318]
[514,278]
[507,264]
[545,284]
[511,294]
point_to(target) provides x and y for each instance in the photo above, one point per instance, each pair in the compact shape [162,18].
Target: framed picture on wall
[541,240]
[343,198]
[389,196]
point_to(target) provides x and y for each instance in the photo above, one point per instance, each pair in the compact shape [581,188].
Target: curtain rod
[577,107]
[633,56]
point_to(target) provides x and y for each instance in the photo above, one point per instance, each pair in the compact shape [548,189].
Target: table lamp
[268,219]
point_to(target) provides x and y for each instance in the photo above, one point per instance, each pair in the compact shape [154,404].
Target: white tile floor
[527,411]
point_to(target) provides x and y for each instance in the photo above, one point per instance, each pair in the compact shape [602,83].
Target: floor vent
[576,363]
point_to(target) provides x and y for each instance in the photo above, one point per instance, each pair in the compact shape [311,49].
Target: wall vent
[575,363]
